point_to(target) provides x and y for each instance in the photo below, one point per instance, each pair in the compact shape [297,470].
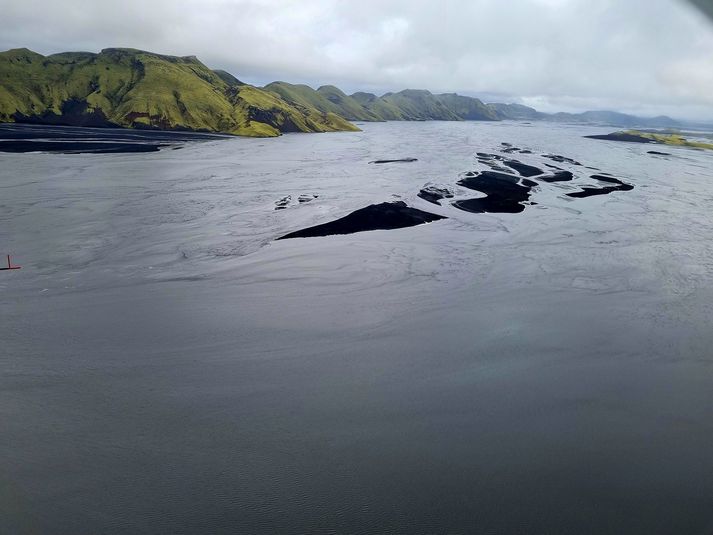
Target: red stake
[9,265]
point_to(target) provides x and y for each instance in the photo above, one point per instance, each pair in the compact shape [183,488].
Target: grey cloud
[642,56]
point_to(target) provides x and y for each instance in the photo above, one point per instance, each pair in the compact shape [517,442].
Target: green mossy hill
[468,108]
[673,139]
[386,111]
[516,112]
[327,99]
[228,78]
[419,105]
[348,107]
[407,105]
[137,89]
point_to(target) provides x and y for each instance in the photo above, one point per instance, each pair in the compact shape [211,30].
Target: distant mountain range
[137,89]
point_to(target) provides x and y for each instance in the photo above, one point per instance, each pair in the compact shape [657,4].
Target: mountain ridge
[125,87]
[422,105]
[138,89]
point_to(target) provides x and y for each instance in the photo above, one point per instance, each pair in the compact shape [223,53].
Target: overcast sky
[639,56]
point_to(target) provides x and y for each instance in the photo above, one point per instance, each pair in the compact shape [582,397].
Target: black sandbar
[384,216]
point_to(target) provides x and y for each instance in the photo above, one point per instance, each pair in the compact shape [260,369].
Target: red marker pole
[9,265]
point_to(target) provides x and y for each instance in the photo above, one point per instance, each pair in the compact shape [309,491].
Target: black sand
[612,180]
[433,193]
[20,138]
[591,192]
[622,136]
[523,169]
[384,216]
[561,159]
[606,190]
[558,176]
[82,147]
[400,160]
[504,193]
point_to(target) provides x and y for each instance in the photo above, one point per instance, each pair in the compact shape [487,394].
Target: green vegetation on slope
[419,105]
[386,111]
[327,99]
[670,139]
[133,88]
[270,109]
[468,108]
[515,111]
[347,106]
[407,105]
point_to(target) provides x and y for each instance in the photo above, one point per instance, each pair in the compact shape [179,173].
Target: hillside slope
[420,105]
[515,111]
[386,111]
[406,105]
[613,118]
[327,99]
[137,89]
[468,108]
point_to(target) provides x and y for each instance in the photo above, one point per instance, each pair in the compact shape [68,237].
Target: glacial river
[166,367]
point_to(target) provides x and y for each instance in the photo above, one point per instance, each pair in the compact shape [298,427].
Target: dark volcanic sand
[494,166]
[622,136]
[68,147]
[488,156]
[384,216]
[282,203]
[606,190]
[489,204]
[523,169]
[400,160]
[504,194]
[509,194]
[612,180]
[485,181]
[433,193]
[591,192]
[559,176]
[78,140]
[561,159]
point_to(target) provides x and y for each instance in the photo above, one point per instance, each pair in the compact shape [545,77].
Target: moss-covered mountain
[421,105]
[469,108]
[137,89]
[327,99]
[407,105]
[516,112]
[133,88]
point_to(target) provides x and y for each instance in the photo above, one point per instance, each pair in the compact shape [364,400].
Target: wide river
[166,367]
